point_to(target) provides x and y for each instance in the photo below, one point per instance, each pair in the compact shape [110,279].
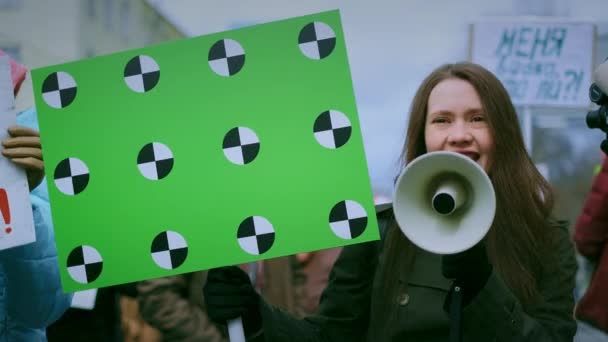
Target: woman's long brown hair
[517,241]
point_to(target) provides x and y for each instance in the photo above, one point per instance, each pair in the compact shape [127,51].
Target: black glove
[229,294]
[469,269]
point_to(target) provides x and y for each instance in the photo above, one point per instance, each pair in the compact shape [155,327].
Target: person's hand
[469,269]
[304,258]
[23,148]
[229,294]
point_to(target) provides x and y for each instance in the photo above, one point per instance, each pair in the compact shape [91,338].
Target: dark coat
[174,305]
[591,238]
[494,314]
[102,324]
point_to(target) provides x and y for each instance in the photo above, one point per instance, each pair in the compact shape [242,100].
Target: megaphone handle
[456,315]
[235,330]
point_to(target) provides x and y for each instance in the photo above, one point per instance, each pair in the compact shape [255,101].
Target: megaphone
[444,202]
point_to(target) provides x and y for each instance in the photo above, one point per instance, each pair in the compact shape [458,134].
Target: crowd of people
[516,284]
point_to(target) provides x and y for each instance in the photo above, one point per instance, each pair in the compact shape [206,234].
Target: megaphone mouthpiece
[444,203]
[449,196]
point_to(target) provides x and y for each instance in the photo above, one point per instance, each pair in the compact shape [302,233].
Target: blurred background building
[40,33]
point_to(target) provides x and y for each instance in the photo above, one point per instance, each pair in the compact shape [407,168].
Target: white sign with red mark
[16,217]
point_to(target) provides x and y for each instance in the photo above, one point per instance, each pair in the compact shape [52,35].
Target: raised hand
[229,294]
[23,148]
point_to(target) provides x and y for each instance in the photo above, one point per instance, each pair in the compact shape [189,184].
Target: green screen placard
[208,151]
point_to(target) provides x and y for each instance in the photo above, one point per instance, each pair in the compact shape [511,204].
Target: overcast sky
[391,44]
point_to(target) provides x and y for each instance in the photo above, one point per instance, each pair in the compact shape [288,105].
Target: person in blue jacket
[31,296]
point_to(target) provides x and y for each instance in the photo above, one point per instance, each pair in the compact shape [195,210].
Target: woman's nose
[459,134]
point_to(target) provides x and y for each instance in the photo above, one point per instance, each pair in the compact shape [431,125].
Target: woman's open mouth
[470,154]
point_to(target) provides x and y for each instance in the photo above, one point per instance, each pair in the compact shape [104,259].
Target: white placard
[16,218]
[540,62]
[84,299]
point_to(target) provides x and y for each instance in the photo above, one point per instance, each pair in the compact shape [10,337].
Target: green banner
[203,152]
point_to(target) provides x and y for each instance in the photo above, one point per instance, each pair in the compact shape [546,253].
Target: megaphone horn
[444,202]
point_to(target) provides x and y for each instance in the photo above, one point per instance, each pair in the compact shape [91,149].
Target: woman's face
[455,122]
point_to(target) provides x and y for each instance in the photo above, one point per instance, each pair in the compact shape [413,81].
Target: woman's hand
[23,148]
[229,294]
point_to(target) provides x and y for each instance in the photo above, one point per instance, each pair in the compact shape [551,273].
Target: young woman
[518,282]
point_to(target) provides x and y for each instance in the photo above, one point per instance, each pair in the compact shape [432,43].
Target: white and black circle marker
[332,129]
[142,73]
[155,161]
[241,145]
[317,40]
[226,57]
[169,250]
[255,235]
[71,176]
[348,219]
[84,264]
[59,89]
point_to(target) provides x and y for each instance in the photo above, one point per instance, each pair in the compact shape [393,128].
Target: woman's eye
[478,118]
[440,120]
